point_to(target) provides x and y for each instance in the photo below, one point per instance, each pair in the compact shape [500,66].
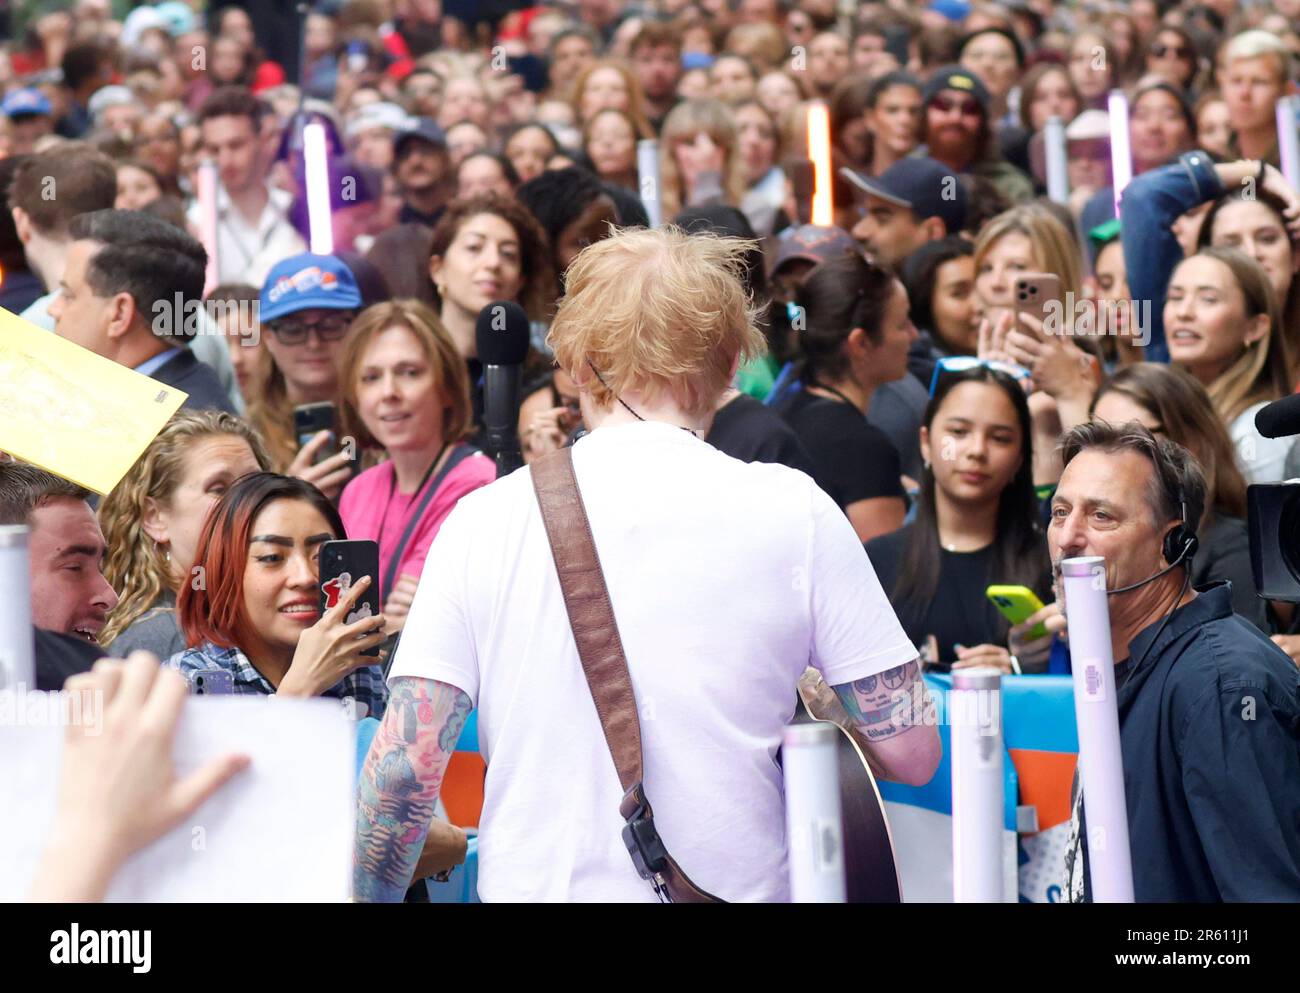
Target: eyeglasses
[969,107]
[291,332]
[964,363]
[1159,49]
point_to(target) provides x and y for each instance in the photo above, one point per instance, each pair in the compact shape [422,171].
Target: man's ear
[933,228]
[735,366]
[152,523]
[122,314]
[23,224]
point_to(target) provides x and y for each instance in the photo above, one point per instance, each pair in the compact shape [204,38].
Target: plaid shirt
[365,686]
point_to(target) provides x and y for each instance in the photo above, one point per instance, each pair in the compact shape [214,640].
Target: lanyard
[392,486]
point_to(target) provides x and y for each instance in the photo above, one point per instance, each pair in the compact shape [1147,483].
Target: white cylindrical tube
[978,792]
[1121,156]
[1101,766]
[17,653]
[1058,173]
[647,173]
[207,197]
[1288,140]
[316,160]
[813,817]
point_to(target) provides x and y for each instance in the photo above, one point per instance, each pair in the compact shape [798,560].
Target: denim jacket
[1148,208]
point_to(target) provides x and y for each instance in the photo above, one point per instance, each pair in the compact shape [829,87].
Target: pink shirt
[366,507]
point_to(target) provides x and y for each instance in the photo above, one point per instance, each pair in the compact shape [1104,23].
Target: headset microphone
[1179,546]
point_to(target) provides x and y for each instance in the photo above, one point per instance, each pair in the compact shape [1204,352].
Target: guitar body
[870,869]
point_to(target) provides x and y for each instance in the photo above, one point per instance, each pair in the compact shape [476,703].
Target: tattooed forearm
[400,783]
[882,709]
[882,706]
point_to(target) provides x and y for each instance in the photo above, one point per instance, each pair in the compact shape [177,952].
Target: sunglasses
[969,107]
[964,363]
[1159,49]
[291,332]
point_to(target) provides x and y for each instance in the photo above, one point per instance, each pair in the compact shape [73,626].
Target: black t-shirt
[59,656]
[852,459]
[747,430]
[959,613]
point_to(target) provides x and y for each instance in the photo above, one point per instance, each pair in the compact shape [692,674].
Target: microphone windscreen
[502,333]
[1280,419]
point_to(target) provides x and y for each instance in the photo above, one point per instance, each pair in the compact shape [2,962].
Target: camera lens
[1288,528]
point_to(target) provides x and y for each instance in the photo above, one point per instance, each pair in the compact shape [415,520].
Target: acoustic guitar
[870,866]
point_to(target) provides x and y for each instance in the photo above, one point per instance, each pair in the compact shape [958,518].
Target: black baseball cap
[421,129]
[926,187]
[962,80]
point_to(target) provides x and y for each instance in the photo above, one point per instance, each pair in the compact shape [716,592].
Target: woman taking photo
[699,157]
[1171,404]
[406,392]
[152,519]
[306,306]
[257,615]
[857,338]
[1221,320]
[977,522]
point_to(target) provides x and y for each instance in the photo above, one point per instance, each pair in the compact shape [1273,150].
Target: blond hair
[657,311]
[1258,45]
[1261,371]
[450,375]
[1054,249]
[271,412]
[136,566]
[683,122]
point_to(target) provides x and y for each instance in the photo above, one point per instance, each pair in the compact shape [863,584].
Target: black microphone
[1280,419]
[501,333]
[1151,579]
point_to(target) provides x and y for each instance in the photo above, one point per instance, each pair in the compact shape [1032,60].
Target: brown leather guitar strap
[591,616]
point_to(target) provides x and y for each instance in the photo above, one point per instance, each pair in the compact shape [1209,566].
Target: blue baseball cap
[926,187]
[26,103]
[308,282]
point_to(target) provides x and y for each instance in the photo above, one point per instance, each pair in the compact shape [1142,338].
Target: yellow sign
[72,412]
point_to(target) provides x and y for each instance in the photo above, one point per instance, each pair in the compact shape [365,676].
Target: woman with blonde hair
[152,519]
[1223,325]
[699,157]
[608,84]
[405,391]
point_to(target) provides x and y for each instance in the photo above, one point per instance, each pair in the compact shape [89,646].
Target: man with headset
[1209,708]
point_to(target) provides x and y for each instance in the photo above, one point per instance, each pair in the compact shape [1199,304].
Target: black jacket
[187,373]
[1209,730]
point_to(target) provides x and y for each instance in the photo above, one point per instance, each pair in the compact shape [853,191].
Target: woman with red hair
[252,607]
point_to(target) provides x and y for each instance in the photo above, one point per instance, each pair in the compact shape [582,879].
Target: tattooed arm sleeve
[400,783]
[893,720]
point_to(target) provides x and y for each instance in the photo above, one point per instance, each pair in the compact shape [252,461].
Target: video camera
[1273,513]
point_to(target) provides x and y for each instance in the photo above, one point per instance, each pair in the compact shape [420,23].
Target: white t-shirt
[727,580]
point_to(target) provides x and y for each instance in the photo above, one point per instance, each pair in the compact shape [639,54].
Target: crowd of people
[480,153]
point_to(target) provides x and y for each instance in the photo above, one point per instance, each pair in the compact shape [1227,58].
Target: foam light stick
[647,174]
[316,160]
[207,196]
[1101,768]
[813,818]
[819,151]
[978,793]
[1288,140]
[1121,157]
[1058,173]
[17,652]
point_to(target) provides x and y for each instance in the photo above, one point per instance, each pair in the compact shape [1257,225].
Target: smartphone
[1039,294]
[343,563]
[209,682]
[310,419]
[1017,604]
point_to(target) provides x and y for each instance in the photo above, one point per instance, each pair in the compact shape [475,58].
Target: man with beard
[1209,708]
[956,131]
[422,168]
[657,64]
[65,552]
